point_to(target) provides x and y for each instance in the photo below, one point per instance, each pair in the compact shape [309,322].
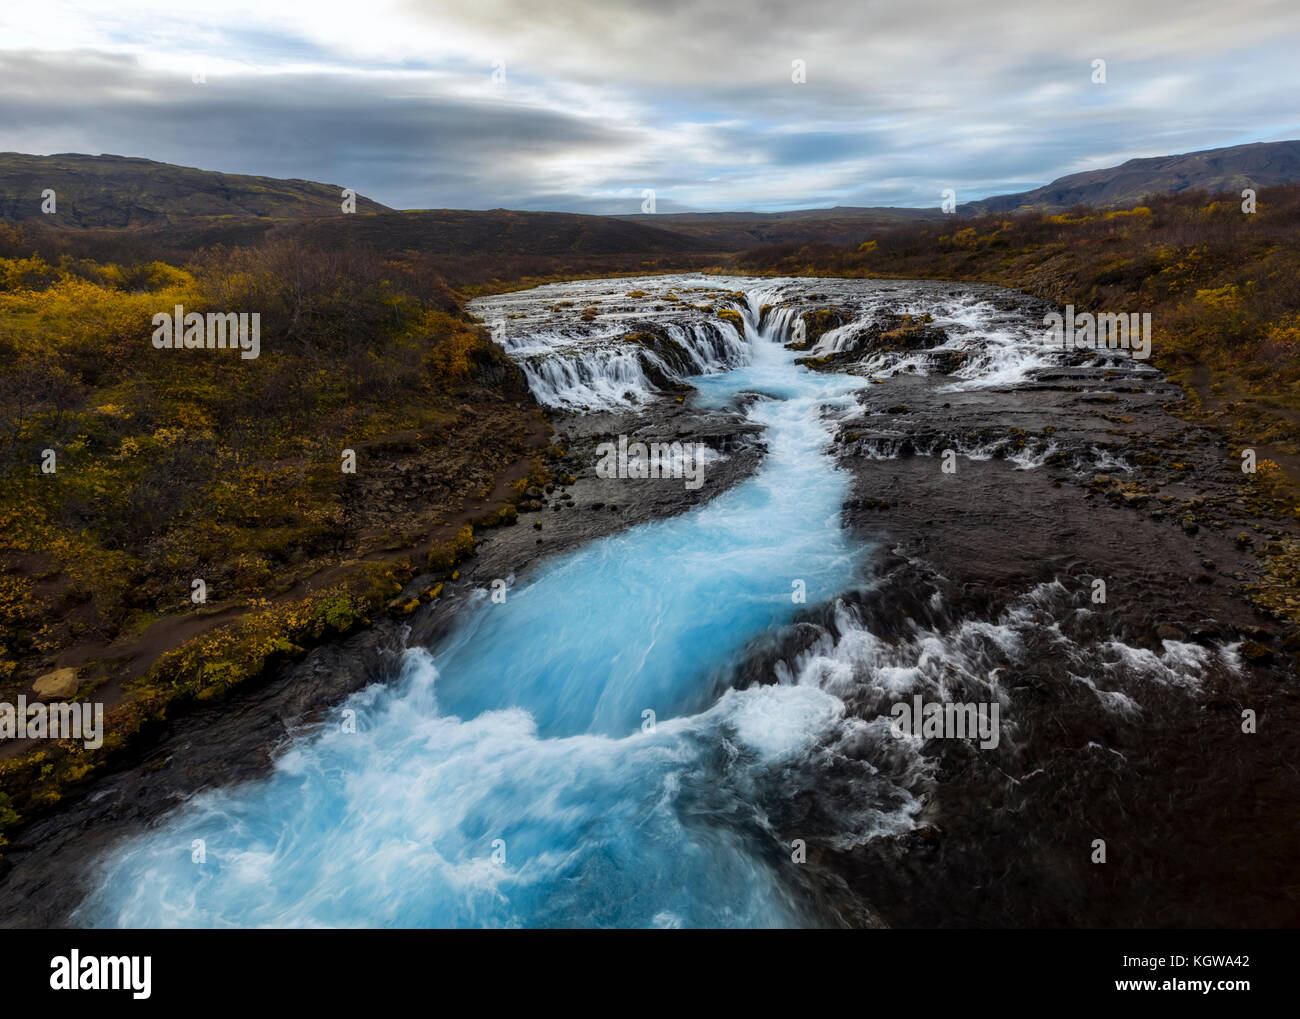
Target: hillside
[737,231]
[1263,164]
[192,208]
[121,191]
[453,231]
[464,248]
[206,464]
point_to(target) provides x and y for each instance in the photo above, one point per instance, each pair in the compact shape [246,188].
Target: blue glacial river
[507,779]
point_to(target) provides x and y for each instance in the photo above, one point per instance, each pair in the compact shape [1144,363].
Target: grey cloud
[402,149]
[693,99]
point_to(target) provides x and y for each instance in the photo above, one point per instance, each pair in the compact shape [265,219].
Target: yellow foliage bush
[1225,296]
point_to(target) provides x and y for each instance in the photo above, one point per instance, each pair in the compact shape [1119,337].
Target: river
[579,753]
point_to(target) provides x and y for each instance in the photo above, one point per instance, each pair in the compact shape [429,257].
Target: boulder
[403,606]
[59,685]
[1255,653]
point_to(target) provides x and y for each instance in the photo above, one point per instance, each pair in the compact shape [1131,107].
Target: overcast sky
[397,98]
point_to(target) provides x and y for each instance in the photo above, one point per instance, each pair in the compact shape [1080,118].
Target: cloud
[397,99]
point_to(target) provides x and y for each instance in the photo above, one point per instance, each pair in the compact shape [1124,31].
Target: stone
[1256,654]
[59,685]
[403,606]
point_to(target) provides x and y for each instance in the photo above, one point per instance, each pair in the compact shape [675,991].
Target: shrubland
[172,465]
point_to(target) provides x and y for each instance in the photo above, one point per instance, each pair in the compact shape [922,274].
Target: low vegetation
[128,472]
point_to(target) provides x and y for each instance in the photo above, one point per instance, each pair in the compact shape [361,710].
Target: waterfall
[581,754]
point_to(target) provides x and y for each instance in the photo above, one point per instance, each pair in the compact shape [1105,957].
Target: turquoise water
[511,778]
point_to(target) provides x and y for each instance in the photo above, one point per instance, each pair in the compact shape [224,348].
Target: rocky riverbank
[45,871]
[1089,561]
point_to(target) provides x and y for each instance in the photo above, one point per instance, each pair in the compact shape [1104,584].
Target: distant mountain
[1261,164]
[121,191]
[187,207]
